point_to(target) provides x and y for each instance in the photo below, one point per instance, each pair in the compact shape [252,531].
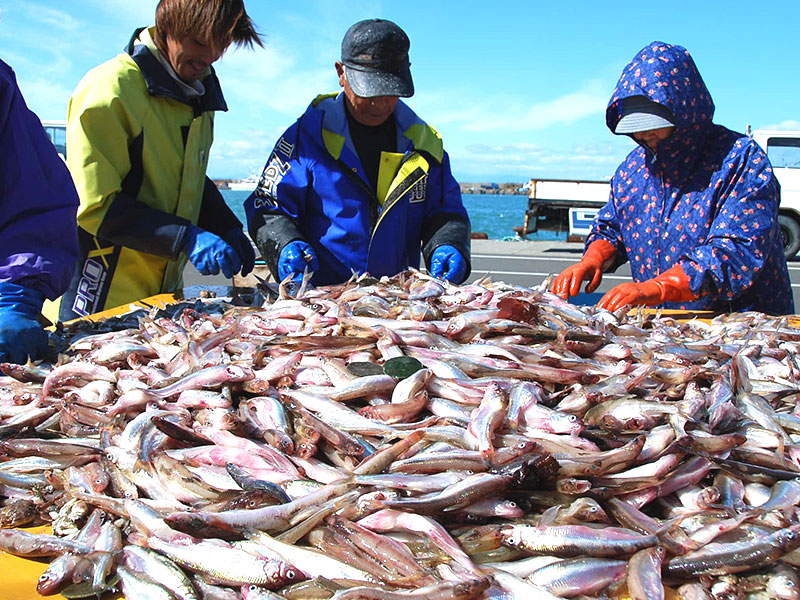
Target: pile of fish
[408,438]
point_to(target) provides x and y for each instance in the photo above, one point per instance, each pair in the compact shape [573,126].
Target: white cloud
[240,153]
[569,108]
[266,90]
[788,125]
[520,162]
[270,78]
[49,18]
[460,109]
[140,13]
[44,97]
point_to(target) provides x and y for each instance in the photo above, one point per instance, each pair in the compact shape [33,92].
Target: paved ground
[521,263]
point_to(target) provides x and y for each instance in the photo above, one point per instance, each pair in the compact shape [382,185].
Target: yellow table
[18,576]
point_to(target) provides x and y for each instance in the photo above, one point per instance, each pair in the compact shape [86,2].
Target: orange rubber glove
[597,258]
[671,286]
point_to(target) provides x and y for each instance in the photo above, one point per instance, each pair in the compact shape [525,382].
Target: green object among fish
[363,369]
[85,589]
[367,281]
[401,367]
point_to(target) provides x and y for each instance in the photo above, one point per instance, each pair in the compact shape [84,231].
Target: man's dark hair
[218,23]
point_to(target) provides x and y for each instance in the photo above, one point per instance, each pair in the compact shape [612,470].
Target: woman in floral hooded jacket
[694,207]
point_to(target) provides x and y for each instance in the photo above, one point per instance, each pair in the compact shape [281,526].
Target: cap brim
[641,121]
[369,84]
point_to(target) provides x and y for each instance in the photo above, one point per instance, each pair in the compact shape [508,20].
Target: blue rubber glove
[210,254]
[21,335]
[296,257]
[241,244]
[447,263]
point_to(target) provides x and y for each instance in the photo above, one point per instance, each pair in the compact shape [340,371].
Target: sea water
[493,214]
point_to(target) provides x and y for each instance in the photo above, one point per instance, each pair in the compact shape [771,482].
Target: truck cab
[783,150]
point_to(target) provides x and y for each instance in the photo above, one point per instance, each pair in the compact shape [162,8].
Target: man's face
[190,58]
[652,137]
[367,111]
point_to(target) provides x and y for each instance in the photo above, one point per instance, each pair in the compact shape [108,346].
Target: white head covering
[642,114]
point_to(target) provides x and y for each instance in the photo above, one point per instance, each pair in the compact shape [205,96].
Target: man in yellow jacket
[139,131]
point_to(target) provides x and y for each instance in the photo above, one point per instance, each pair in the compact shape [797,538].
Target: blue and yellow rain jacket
[314,188]
[707,199]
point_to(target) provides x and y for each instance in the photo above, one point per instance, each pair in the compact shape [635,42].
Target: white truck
[783,149]
[563,205]
[570,205]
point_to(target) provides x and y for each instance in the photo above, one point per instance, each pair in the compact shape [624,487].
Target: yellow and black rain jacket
[137,148]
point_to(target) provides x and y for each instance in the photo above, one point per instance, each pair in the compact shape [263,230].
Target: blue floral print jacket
[707,199]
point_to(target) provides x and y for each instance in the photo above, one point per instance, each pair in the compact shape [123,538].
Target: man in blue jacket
[38,231]
[360,184]
[694,207]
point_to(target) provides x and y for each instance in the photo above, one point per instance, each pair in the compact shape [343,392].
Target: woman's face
[652,137]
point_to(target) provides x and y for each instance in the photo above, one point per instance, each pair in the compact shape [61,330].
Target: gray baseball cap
[375,58]
[639,113]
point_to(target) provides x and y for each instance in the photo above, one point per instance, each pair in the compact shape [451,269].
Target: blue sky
[517,89]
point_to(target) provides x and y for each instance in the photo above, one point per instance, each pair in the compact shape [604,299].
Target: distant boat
[248,184]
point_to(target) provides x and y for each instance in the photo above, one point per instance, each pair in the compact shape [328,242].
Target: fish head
[508,509]
[789,538]
[58,575]
[255,592]
[588,510]
[235,373]
[659,553]
[49,583]
[282,573]
[472,588]
[455,326]
[510,535]
[565,423]
[468,518]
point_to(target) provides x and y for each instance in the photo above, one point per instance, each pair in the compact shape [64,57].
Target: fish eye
[290,574]
[572,418]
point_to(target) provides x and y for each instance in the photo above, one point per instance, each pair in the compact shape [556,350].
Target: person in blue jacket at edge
[694,207]
[38,231]
[360,184]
